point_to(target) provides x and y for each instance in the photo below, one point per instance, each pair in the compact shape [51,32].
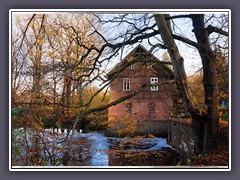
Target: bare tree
[139,27]
[205,123]
[82,55]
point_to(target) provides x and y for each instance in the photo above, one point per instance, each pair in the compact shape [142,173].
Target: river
[96,150]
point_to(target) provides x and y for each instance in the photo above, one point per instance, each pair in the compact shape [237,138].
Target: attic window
[132,66]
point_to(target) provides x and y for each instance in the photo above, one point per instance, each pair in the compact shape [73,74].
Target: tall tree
[84,60]
[140,27]
[34,44]
[205,124]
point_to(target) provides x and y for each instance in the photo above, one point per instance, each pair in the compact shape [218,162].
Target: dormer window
[126,84]
[132,66]
[154,80]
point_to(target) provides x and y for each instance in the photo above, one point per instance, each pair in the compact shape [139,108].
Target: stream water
[95,149]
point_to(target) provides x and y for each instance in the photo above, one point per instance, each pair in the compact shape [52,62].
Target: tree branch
[211,29]
[25,32]
[126,97]
[132,41]
[185,40]
[177,16]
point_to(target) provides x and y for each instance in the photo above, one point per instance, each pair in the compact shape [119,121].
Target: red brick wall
[140,109]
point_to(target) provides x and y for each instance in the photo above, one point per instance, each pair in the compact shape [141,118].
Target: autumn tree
[207,30]
[61,56]
[83,61]
[32,44]
[55,57]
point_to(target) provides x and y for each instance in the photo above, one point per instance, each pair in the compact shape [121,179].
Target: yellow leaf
[40,42]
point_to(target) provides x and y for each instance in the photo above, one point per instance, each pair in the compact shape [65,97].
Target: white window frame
[132,67]
[126,84]
[154,80]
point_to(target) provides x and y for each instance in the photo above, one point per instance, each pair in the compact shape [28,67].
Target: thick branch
[211,29]
[177,16]
[185,40]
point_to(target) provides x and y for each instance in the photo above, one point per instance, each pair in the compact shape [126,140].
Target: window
[152,108]
[129,108]
[126,84]
[154,80]
[132,66]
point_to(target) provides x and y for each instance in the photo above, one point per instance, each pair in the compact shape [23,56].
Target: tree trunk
[177,61]
[209,80]
[200,119]
[80,91]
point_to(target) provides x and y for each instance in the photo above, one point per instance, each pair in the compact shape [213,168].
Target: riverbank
[96,149]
